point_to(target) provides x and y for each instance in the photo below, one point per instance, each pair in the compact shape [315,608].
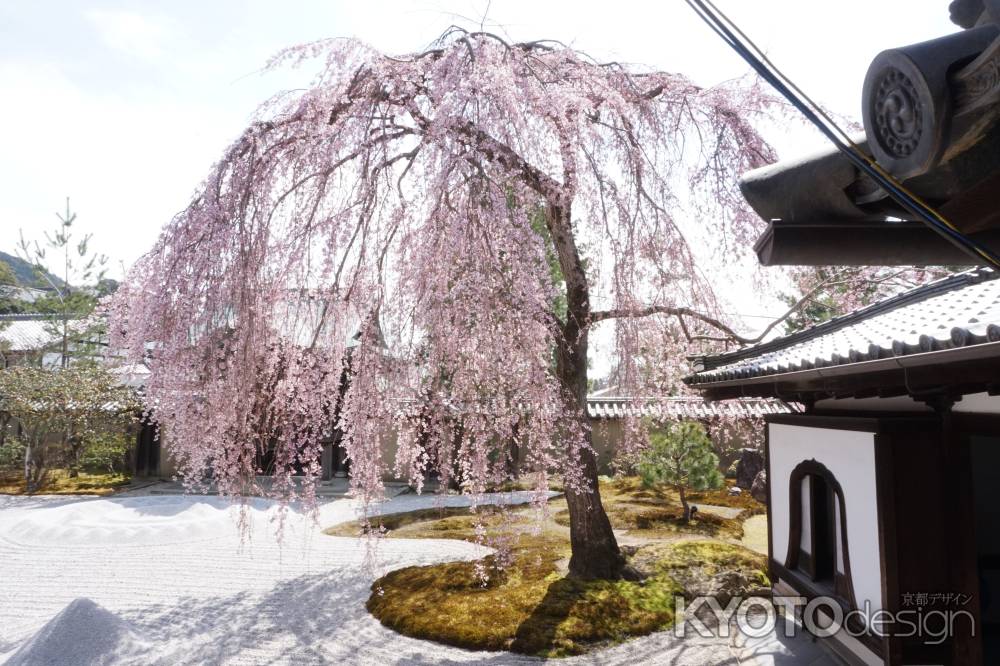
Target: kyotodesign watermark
[756,617]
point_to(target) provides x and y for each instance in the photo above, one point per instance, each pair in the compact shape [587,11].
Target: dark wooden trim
[808,587]
[802,561]
[957,371]
[887,547]
[810,591]
[970,423]
[923,491]
[793,559]
[860,243]
[880,414]
[841,584]
[859,421]
[964,570]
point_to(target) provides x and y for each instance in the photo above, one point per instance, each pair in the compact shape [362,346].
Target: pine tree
[681,456]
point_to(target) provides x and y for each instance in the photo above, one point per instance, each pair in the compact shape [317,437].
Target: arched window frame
[843,586]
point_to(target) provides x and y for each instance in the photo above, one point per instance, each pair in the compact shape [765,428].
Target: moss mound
[709,558]
[433,523]
[532,608]
[529,607]
[709,568]
[630,490]
[665,521]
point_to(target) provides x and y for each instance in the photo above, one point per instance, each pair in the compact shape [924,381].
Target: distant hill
[25,273]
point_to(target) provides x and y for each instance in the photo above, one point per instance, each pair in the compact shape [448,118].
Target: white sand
[168,580]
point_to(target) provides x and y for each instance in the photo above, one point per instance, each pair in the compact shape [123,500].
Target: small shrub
[680,456]
[11,454]
[106,452]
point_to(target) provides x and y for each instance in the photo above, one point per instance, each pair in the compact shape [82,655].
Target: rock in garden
[759,488]
[735,490]
[749,463]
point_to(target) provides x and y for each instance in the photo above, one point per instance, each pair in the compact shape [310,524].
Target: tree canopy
[401,196]
[57,413]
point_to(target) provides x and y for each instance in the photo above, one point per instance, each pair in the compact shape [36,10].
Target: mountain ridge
[25,274]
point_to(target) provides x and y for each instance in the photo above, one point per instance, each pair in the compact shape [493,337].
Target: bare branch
[730,334]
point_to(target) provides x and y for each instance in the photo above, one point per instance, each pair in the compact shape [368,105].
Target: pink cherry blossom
[463,209]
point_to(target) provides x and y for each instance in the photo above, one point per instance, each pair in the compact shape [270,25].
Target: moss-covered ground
[530,606]
[59,482]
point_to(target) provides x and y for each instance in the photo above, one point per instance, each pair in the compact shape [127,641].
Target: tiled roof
[957,311]
[26,332]
[600,407]
[618,407]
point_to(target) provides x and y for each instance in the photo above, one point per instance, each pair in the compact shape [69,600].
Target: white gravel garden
[169,580]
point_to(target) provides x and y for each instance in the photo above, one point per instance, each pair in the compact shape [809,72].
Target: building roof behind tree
[28,332]
[681,407]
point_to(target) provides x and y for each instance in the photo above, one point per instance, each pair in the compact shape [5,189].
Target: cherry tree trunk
[595,552]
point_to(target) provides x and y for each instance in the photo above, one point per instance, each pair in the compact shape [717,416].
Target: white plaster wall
[850,457]
[978,403]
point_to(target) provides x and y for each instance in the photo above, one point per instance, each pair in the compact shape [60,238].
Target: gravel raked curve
[180,586]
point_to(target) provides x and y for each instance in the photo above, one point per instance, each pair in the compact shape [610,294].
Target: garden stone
[750,462]
[759,488]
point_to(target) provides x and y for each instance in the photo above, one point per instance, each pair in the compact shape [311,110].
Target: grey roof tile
[681,407]
[957,311]
[22,332]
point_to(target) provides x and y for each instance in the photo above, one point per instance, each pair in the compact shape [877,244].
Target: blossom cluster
[408,250]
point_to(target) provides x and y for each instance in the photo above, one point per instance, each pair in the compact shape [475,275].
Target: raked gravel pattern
[169,580]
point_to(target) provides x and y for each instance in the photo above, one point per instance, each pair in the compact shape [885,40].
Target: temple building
[930,112]
[882,490]
[882,493]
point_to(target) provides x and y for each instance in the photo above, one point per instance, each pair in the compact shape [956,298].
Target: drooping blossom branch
[408,250]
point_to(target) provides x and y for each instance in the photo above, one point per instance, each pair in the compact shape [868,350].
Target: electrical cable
[729,32]
[893,187]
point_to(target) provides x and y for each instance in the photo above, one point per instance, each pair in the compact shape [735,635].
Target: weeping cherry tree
[465,210]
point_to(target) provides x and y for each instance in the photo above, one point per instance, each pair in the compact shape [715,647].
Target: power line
[739,42]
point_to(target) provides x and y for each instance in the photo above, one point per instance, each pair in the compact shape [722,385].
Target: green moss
[630,490]
[413,523]
[527,608]
[713,555]
[725,569]
[530,606]
[59,482]
[664,521]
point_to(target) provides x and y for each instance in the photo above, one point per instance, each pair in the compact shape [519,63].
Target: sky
[124,106]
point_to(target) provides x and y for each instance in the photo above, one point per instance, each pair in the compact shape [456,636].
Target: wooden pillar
[964,565]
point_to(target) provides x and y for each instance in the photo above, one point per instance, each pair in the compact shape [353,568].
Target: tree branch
[730,334]
[680,313]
